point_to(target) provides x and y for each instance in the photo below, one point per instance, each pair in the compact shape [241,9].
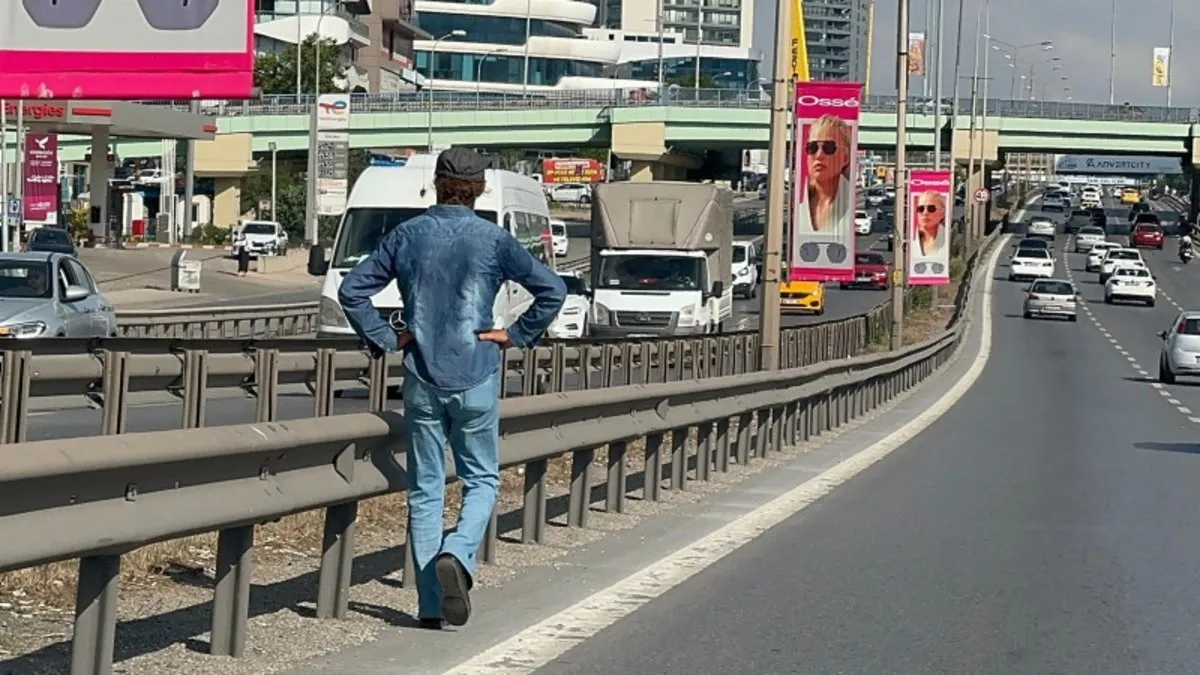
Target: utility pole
[900,223]
[937,117]
[768,317]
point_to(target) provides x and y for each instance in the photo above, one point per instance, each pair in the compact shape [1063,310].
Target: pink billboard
[126,49]
[929,202]
[41,178]
[825,142]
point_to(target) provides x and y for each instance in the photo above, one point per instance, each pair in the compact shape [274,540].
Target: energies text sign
[1120,165]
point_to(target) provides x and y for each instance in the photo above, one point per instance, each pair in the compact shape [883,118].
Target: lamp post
[661,27]
[528,32]
[1012,53]
[1112,55]
[458,32]
[479,73]
[274,176]
[1170,52]
[1033,74]
[900,219]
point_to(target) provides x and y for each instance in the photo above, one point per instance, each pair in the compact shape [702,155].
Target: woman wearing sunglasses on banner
[827,203]
[931,222]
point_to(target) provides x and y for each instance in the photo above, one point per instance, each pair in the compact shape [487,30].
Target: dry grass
[191,558]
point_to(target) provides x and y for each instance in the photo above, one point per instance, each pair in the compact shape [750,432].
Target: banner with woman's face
[825,142]
[930,199]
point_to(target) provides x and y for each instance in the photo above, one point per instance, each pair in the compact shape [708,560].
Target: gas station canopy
[128,120]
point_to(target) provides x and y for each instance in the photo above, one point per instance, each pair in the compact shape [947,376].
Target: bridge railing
[678,97]
[98,500]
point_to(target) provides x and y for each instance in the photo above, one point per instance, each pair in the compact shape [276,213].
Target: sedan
[1181,348]
[862,222]
[1042,227]
[1096,255]
[1087,238]
[571,322]
[870,271]
[1118,257]
[1130,283]
[1149,235]
[1052,297]
[51,240]
[1053,202]
[51,295]
[1031,263]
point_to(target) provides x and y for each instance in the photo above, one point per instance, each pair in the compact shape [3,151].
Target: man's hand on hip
[500,337]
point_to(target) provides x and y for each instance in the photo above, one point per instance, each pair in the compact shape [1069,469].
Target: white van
[386,196]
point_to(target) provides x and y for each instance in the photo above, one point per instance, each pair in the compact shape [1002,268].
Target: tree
[292,193]
[275,73]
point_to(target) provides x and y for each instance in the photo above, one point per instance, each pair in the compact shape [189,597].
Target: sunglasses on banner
[927,208]
[161,14]
[929,268]
[828,147]
[810,252]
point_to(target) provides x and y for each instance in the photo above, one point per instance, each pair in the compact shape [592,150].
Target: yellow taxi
[1130,196]
[802,296]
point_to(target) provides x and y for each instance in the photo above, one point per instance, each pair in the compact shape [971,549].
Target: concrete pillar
[974,182]
[227,201]
[98,179]
[641,171]
[1194,194]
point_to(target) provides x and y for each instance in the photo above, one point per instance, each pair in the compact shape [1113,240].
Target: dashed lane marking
[1138,368]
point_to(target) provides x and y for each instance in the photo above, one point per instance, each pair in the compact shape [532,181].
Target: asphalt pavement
[1043,525]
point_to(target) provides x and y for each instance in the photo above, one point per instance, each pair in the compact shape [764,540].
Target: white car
[745,269]
[1087,238]
[1042,227]
[1115,257]
[862,222]
[558,237]
[1181,348]
[1031,263]
[571,322]
[570,193]
[1130,283]
[1096,255]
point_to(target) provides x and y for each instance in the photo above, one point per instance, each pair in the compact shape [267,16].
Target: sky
[1079,30]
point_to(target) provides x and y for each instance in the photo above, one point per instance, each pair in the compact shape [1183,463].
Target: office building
[838,33]
[514,46]
[721,66]
[377,48]
[727,23]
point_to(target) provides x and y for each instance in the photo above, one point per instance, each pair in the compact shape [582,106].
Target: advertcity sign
[1120,165]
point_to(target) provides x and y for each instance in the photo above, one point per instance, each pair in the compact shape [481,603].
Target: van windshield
[739,254]
[364,228]
[651,273]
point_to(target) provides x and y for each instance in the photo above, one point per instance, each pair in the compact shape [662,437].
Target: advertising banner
[41,178]
[798,44]
[1146,165]
[126,49]
[929,205]
[916,53]
[333,153]
[823,196]
[1160,69]
[565,170]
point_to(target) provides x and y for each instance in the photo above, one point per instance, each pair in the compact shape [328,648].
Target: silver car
[51,295]
[1052,297]
[1042,227]
[1181,348]
[1087,238]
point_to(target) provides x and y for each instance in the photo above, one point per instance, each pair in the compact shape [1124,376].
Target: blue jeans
[470,421]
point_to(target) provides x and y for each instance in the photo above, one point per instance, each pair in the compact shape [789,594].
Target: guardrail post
[95,615]
[647,362]
[705,445]
[195,387]
[15,373]
[377,387]
[607,354]
[231,602]
[723,443]
[558,369]
[652,473]
[743,440]
[679,458]
[266,381]
[581,488]
[614,501]
[325,376]
[529,372]
[585,367]
[115,385]
[764,421]
[533,526]
[805,418]
[487,548]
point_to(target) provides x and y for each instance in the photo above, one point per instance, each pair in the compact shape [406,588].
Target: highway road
[1044,525]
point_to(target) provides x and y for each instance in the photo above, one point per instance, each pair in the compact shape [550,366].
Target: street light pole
[957,69]
[937,86]
[1170,53]
[525,70]
[274,176]
[971,171]
[661,27]
[429,84]
[768,317]
[1112,57]
[900,221]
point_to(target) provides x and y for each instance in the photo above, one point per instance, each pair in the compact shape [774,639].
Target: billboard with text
[1118,165]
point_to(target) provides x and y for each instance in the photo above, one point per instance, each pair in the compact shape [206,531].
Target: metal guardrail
[684,98]
[98,500]
[249,321]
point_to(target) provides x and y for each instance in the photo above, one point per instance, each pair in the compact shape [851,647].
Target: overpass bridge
[689,121]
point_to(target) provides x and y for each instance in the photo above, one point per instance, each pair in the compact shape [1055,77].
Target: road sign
[982,195]
[14,207]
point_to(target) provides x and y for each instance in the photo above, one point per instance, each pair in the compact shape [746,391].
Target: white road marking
[1195,420]
[545,641]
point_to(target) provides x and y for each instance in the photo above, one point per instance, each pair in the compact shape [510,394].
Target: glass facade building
[839,35]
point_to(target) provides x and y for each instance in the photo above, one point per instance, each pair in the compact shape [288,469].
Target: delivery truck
[661,259]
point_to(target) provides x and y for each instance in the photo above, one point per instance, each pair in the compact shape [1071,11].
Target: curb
[203,247]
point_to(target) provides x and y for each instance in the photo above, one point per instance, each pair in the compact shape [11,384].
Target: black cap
[461,163]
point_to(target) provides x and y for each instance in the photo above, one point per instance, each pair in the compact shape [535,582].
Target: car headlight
[687,314]
[29,329]
[601,315]
[571,311]
[744,272]
[329,313]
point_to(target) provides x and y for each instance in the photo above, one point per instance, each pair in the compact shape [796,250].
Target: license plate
[863,279]
[1054,308]
[791,302]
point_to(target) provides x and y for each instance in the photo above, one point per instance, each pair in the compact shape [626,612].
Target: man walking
[449,264]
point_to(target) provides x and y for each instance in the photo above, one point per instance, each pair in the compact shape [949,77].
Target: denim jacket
[449,264]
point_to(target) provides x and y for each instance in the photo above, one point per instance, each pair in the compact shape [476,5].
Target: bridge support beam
[983,147]
[1191,167]
[644,144]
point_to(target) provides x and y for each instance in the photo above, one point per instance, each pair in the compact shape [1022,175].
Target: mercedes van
[384,197]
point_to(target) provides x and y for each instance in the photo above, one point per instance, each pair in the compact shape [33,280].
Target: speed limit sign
[982,195]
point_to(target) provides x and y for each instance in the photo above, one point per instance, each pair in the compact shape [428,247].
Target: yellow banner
[799,43]
[1160,73]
